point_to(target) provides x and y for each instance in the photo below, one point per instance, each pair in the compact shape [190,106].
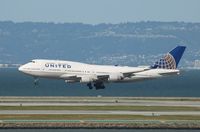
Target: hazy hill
[125,44]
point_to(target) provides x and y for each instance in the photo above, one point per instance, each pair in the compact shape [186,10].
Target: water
[95,130]
[15,83]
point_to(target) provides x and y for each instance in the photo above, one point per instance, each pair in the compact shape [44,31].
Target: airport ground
[99,112]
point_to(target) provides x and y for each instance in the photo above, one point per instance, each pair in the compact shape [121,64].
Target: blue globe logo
[168,62]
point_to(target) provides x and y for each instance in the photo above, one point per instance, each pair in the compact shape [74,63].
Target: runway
[98,101]
[99,112]
[146,106]
[95,112]
[139,103]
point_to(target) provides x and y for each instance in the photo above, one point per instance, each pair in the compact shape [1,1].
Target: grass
[125,108]
[97,117]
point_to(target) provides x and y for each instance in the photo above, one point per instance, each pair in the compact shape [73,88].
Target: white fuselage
[81,72]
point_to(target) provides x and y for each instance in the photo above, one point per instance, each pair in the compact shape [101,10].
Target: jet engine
[115,77]
[86,79]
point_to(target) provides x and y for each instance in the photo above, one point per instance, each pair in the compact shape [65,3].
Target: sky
[99,11]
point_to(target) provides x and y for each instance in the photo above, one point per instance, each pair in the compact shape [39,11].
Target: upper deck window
[33,61]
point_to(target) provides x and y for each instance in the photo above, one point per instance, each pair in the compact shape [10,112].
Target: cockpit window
[33,61]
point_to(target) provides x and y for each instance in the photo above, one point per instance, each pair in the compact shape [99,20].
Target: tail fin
[171,59]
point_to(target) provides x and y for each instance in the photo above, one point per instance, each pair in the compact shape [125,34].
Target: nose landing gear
[36,81]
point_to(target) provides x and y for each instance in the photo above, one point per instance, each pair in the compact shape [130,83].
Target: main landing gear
[90,85]
[97,85]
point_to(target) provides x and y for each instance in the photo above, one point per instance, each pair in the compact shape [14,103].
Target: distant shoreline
[9,65]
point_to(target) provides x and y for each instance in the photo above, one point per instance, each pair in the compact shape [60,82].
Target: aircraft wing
[105,77]
[131,73]
[102,77]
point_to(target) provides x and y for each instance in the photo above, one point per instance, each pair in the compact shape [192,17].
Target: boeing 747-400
[97,75]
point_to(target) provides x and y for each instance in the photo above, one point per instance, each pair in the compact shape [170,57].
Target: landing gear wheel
[90,85]
[99,85]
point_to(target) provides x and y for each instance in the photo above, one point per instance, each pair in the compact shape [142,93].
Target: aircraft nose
[20,68]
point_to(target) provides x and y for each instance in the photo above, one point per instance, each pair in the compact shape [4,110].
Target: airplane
[97,75]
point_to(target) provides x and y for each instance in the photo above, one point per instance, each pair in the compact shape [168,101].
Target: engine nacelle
[86,79]
[115,77]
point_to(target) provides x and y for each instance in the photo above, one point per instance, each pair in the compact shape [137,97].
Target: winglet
[171,59]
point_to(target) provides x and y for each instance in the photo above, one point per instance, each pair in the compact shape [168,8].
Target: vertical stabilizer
[171,59]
